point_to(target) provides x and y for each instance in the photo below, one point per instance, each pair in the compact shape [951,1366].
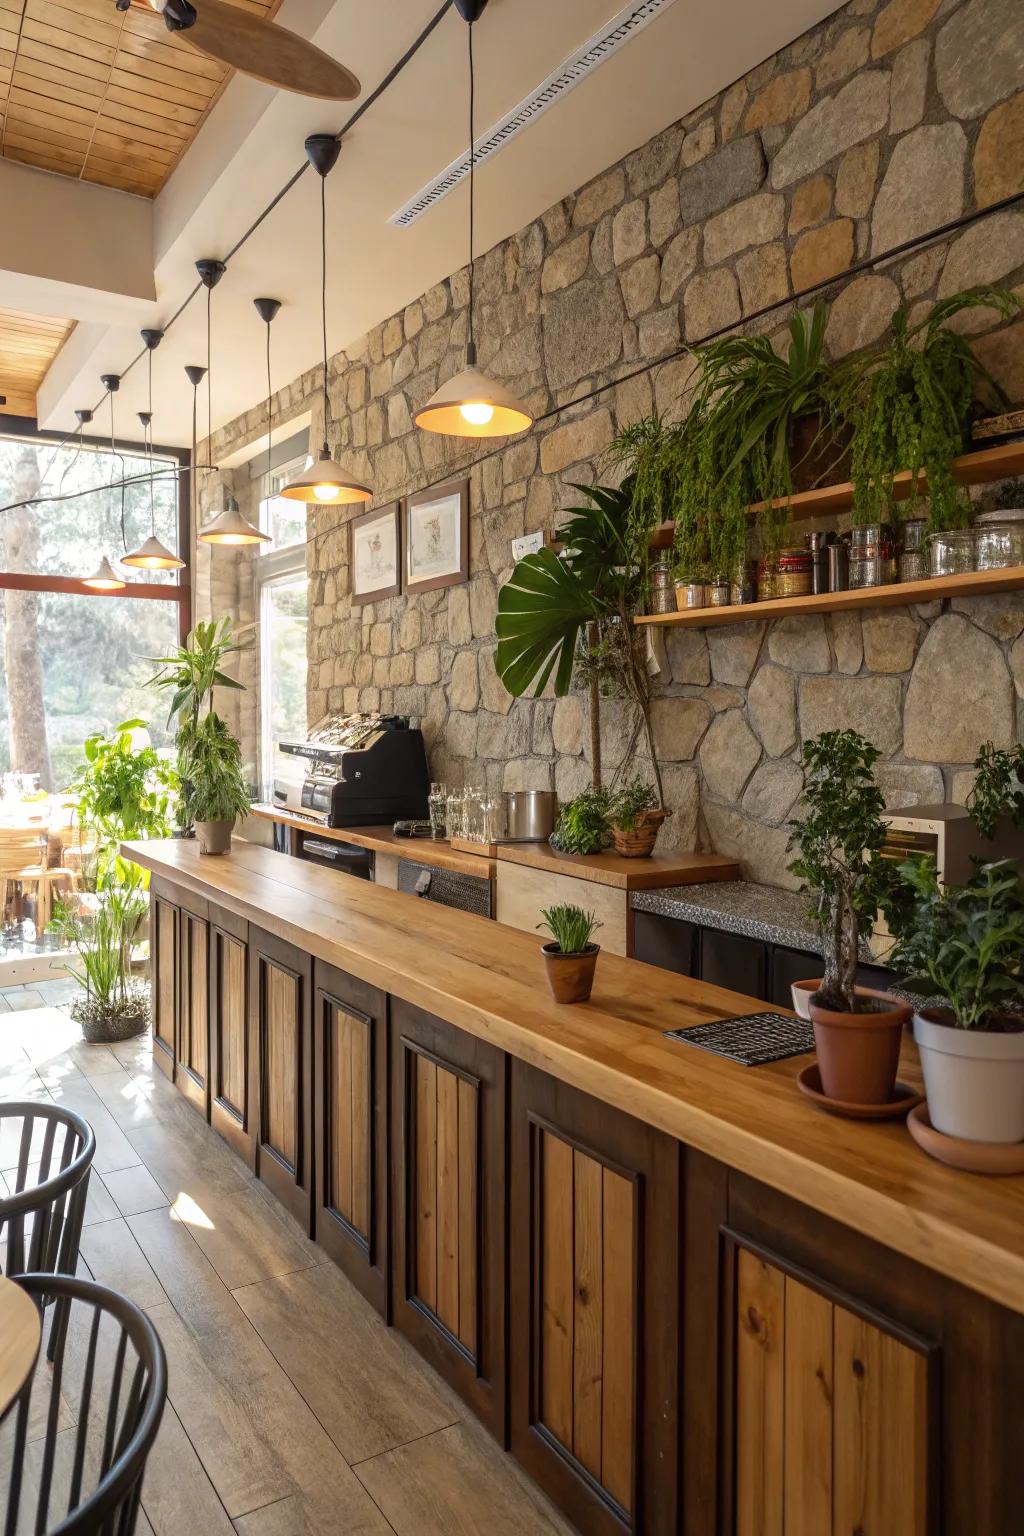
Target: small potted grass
[569,956]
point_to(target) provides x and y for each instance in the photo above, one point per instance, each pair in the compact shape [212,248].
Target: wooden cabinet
[280,1070]
[350,1054]
[231,1108]
[191,1074]
[163,951]
[594,1306]
[448,1188]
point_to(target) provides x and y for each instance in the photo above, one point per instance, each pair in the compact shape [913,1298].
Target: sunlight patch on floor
[186,1210]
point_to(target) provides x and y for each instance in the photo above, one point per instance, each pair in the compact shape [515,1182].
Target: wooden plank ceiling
[103,95]
[28,345]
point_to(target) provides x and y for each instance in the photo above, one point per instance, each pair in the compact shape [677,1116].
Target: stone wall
[881,123]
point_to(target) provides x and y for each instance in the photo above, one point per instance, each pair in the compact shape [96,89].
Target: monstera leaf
[541,610]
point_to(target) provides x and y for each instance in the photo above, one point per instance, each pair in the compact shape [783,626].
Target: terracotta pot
[570,977]
[858,1053]
[974,1079]
[214,836]
[638,842]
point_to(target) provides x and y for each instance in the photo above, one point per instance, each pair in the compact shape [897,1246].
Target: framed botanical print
[437,537]
[375,554]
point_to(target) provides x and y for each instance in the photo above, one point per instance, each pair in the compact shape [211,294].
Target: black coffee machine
[364,770]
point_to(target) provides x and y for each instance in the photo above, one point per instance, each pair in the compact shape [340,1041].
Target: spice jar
[717,593]
[999,539]
[794,572]
[951,553]
[662,596]
[913,564]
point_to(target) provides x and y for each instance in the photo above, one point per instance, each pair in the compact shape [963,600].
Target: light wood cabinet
[448,1189]
[281,1070]
[350,1054]
[231,1109]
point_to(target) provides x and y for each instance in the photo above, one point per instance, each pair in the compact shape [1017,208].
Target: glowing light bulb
[477,413]
[325,492]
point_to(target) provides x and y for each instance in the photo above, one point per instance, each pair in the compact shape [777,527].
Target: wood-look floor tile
[113,1150]
[115,1259]
[187,1156]
[250,1239]
[457,1482]
[177,1495]
[364,1383]
[99,1206]
[63,1462]
[134,1190]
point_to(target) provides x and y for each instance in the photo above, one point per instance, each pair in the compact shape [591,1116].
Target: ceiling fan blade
[268,52]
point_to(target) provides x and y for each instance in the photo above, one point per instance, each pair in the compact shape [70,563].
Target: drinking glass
[437,803]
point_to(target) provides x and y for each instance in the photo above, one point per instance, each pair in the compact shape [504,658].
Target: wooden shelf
[979,468]
[973,584]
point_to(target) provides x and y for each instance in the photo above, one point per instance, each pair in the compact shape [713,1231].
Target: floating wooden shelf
[973,584]
[979,468]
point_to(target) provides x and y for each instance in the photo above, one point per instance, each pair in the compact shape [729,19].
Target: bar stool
[108,1363]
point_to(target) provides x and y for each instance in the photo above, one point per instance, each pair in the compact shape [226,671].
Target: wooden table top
[488,979]
[420,850]
[20,1335]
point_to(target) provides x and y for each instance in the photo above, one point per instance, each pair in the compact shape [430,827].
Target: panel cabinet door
[231,1111]
[280,1069]
[448,1245]
[350,1049]
[594,1307]
[734,961]
[191,1074]
[666,941]
[163,952]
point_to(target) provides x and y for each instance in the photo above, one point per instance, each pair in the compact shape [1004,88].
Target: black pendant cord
[270,415]
[195,455]
[209,381]
[471,347]
[323,296]
[149,452]
[115,455]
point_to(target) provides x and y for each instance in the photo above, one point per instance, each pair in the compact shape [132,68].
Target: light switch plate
[529,544]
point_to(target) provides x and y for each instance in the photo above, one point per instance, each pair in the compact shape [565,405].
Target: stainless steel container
[530,814]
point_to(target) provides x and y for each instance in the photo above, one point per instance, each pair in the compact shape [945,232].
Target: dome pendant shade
[105,579]
[232,527]
[153,556]
[325,484]
[474,405]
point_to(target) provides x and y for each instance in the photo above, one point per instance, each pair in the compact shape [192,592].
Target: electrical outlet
[529,544]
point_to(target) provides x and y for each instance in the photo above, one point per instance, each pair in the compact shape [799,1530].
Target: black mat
[752,1039]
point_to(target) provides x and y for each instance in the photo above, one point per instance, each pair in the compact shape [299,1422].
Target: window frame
[286,471]
[274,569]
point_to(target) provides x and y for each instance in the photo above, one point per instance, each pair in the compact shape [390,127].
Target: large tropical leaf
[541,610]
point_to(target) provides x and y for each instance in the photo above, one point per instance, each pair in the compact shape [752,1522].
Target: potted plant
[966,944]
[190,675]
[102,930]
[569,957]
[212,766]
[839,845]
[582,825]
[125,790]
[635,818]
[998,790]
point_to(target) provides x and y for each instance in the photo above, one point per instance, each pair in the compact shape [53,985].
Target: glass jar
[794,572]
[913,564]
[867,564]
[690,594]
[717,594]
[999,539]
[951,553]
[662,596]
[437,802]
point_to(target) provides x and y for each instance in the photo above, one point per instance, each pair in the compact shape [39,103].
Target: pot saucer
[998,1157]
[809,1082]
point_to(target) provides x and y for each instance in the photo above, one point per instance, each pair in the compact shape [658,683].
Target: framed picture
[437,537]
[376,553]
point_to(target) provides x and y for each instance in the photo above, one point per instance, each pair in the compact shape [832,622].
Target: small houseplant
[839,857]
[582,825]
[103,931]
[125,790]
[189,676]
[966,944]
[998,790]
[570,957]
[212,765]
[635,818]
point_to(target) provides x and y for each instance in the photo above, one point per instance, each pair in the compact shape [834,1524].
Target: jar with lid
[690,594]
[951,553]
[914,554]
[662,596]
[999,539]
[792,572]
[867,561]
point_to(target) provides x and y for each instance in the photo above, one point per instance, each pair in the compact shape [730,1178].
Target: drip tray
[752,1039]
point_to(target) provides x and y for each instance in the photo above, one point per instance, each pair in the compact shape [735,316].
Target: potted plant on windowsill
[966,944]
[211,766]
[635,818]
[570,958]
[839,843]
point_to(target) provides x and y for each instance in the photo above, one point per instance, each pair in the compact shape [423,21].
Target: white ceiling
[252,143]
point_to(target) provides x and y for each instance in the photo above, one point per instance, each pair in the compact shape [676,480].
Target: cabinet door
[163,953]
[280,1075]
[231,1110]
[191,1074]
[594,1307]
[666,941]
[350,1047]
[733,961]
[448,1257]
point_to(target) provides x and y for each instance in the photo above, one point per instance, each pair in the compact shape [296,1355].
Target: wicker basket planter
[638,842]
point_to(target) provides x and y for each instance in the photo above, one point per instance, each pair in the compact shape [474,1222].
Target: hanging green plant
[909,406]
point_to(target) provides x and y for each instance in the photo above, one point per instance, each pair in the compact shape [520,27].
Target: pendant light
[325,482]
[472,404]
[106,579]
[229,526]
[151,555]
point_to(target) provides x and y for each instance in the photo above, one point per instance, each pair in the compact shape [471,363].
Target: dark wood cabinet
[232,1113]
[731,960]
[594,1307]
[163,951]
[191,1073]
[350,1135]
[448,1093]
[280,1069]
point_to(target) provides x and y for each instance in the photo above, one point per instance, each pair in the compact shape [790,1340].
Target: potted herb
[839,846]
[102,930]
[212,765]
[635,818]
[966,944]
[569,957]
[582,825]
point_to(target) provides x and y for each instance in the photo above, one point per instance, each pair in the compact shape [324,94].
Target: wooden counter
[488,980]
[661,869]
[419,850]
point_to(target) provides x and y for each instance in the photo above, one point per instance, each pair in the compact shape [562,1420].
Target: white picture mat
[375,554]
[435,538]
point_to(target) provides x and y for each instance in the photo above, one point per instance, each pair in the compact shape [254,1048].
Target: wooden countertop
[420,850]
[661,869]
[488,979]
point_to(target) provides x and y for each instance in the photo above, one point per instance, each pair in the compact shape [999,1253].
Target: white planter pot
[974,1081]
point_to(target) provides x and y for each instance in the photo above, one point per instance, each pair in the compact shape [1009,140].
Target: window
[284,520]
[284,613]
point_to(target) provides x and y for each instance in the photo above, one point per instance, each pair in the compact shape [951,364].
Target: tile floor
[291,1408]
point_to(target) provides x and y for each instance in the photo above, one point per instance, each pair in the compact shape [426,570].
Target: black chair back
[50,1150]
[110,1373]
